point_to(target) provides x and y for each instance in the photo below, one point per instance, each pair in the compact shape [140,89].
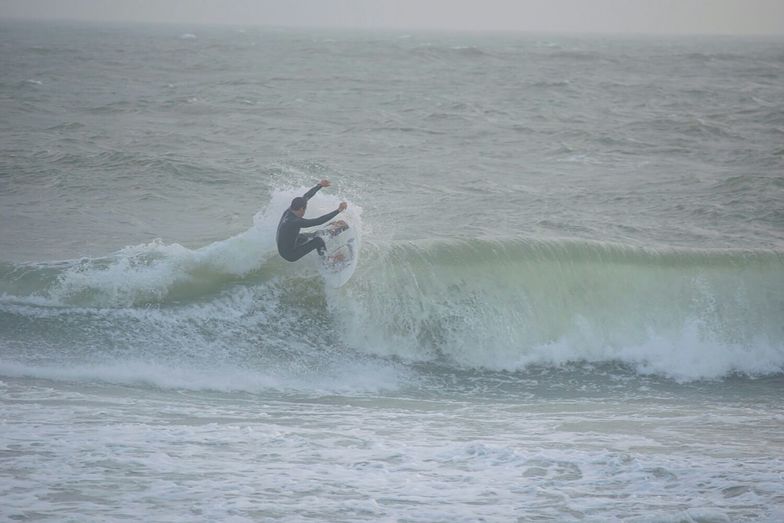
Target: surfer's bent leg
[301,249]
[304,238]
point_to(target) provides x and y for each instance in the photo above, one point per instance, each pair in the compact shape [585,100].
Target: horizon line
[371,28]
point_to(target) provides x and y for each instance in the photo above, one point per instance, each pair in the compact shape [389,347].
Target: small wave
[439,52]
[692,127]
[746,183]
[711,57]
[576,55]
[67,126]
[554,84]
[469,51]
[344,378]
[773,117]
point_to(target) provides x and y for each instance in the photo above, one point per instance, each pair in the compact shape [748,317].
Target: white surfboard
[342,253]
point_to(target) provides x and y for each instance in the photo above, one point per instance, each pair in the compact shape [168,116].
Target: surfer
[291,244]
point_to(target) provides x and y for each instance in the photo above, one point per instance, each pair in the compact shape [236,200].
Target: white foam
[249,458]
[148,272]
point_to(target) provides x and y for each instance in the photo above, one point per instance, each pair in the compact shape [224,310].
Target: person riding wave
[291,244]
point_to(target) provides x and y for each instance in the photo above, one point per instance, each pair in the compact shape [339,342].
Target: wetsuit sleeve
[308,195]
[302,222]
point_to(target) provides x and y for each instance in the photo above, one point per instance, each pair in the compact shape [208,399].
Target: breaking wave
[497,304]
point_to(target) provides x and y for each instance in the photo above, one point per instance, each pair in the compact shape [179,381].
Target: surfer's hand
[324,183]
[342,206]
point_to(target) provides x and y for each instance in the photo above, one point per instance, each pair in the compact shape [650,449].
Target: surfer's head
[298,206]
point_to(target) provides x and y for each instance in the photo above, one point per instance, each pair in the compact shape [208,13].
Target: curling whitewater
[170,315]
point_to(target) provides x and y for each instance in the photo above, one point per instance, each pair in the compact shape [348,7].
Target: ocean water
[569,303]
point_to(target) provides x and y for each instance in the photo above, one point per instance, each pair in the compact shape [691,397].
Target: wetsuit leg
[305,244]
[304,237]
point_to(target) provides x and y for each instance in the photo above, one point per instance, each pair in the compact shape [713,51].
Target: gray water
[568,304]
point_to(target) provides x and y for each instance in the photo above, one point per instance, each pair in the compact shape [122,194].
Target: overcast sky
[625,16]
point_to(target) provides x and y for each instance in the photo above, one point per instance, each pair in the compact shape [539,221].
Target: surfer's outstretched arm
[312,222]
[323,183]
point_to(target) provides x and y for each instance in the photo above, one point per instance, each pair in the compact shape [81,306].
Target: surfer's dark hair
[298,203]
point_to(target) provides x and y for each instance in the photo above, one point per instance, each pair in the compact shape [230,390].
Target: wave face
[509,304]
[503,304]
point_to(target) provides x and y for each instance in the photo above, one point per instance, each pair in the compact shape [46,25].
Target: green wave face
[503,304]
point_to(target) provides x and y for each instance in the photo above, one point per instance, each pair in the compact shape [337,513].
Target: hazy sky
[627,16]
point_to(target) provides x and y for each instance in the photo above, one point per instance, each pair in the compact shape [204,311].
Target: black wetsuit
[291,244]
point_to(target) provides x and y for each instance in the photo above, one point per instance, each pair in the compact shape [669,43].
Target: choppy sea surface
[569,304]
